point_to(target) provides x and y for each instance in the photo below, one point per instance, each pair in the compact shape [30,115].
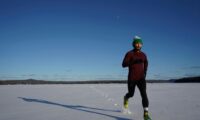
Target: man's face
[137,46]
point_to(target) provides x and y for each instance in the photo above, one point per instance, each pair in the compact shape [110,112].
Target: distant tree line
[33,81]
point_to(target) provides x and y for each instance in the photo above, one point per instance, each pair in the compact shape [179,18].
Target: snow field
[168,101]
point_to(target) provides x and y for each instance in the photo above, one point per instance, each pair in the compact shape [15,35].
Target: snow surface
[168,101]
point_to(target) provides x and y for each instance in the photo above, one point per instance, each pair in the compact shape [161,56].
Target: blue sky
[87,39]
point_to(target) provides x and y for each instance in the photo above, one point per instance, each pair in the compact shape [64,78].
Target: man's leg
[142,88]
[145,102]
[131,90]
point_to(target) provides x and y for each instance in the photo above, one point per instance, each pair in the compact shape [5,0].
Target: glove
[144,75]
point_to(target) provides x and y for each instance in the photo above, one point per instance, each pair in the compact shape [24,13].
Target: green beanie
[137,39]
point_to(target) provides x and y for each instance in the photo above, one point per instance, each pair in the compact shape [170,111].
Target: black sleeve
[126,60]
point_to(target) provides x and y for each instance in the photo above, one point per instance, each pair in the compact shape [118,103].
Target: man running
[137,63]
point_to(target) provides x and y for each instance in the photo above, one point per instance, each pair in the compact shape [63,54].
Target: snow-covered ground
[168,101]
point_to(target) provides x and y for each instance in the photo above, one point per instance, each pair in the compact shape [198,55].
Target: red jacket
[137,63]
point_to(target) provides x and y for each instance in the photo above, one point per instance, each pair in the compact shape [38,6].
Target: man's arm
[145,66]
[126,60]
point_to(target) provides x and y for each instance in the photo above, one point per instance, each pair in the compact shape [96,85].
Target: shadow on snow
[76,107]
